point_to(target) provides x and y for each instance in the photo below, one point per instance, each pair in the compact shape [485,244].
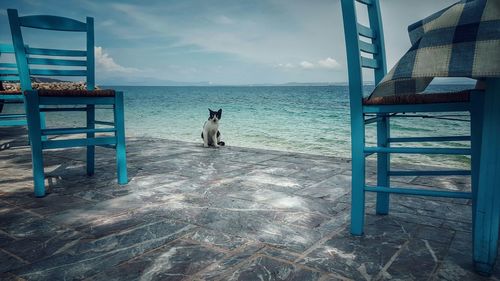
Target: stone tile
[417,260]
[174,261]
[277,168]
[319,172]
[285,201]
[24,226]
[228,213]
[280,254]
[89,257]
[460,183]
[222,268]
[264,180]
[92,195]
[264,268]
[9,262]
[35,247]
[50,204]
[113,224]
[5,238]
[9,277]
[215,238]
[329,189]
[362,257]
[457,264]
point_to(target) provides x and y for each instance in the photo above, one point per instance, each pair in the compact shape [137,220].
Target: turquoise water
[304,119]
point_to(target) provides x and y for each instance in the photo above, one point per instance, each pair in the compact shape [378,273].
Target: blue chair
[9,73]
[369,53]
[41,62]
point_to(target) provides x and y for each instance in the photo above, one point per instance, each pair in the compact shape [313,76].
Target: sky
[231,42]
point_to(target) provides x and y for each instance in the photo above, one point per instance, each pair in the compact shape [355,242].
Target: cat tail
[221,143]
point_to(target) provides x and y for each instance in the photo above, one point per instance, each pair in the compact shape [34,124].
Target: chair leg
[25,104]
[43,124]
[487,210]
[383,165]
[358,176]
[35,137]
[121,155]
[90,148]
[476,116]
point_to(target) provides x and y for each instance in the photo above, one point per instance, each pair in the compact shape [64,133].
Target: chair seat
[462,96]
[10,93]
[76,93]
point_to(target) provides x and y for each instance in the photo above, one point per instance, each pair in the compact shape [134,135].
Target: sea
[305,119]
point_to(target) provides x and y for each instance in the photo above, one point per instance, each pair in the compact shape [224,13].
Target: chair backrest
[48,62]
[8,68]
[364,45]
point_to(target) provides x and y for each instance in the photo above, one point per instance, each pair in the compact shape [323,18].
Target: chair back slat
[363,39]
[44,61]
[9,72]
[53,23]
[366,31]
[8,65]
[47,61]
[369,63]
[367,47]
[6,48]
[56,52]
[9,78]
[57,72]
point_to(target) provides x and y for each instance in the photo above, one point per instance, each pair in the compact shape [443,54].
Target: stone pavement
[191,213]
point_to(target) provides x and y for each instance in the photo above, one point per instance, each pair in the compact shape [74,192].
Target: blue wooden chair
[370,53]
[9,73]
[41,62]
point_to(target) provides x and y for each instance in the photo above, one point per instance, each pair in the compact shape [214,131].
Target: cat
[210,133]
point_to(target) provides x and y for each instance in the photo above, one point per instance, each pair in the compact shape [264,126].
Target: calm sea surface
[305,119]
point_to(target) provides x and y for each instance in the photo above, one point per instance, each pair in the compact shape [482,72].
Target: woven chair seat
[76,93]
[10,93]
[462,96]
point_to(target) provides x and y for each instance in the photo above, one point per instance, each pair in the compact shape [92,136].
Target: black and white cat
[210,133]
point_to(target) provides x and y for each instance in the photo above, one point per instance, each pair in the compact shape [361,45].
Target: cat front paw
[205,145]
[216,145]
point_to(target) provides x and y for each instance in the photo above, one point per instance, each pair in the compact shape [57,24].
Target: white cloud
[306,65]
[106,63]
[329,63]
[285,65]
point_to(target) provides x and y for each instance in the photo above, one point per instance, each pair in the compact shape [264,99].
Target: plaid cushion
[462,40]
[427,98]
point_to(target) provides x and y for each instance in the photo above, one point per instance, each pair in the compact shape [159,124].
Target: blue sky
[223,42]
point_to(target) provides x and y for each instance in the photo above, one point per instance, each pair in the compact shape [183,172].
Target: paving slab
[233,213]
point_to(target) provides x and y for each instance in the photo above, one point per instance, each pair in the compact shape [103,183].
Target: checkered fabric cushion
[462,96]
[462,40]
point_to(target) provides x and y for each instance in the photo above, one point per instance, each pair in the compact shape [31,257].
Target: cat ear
[219,113]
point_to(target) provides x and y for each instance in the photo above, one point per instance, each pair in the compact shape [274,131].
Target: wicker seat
[10,93]
[462,96]
[76,93]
